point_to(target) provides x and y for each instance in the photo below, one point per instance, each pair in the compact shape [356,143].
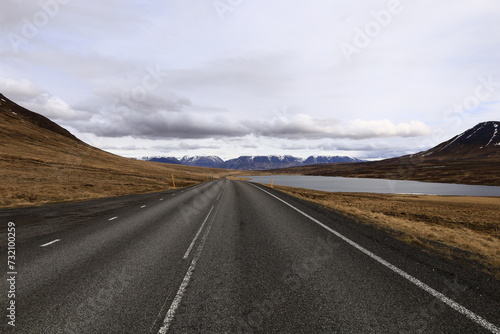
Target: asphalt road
[229,257]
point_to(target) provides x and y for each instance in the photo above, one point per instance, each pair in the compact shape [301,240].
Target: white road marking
[187,278]
[142,207]
[161,199]
[50,243]
[219,196]
[454,305]
[186,255]
[173,194]
[113,218]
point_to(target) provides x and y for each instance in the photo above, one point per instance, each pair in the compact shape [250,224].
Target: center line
[142,207]
[197,235]
[187,278]
[50,243]
[112,218]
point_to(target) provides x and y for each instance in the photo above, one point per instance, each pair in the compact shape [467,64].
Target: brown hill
[472,157]
[41,162]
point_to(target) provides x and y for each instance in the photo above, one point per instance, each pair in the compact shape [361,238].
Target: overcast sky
[363,78]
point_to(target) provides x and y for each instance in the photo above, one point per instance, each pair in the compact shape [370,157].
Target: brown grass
[458,227]
[39,164]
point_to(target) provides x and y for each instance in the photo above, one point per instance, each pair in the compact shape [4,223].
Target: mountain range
[260,162]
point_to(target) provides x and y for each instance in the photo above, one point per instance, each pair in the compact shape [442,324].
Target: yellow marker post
[272,183]
[173,181]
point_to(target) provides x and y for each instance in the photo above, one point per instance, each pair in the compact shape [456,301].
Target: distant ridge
[259,162]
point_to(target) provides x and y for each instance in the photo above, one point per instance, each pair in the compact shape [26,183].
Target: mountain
[167,160]
[41,162]
[472,157]
[259,162]
[202,161]
[483,140]
[313,160]
[262,162]
[211,161]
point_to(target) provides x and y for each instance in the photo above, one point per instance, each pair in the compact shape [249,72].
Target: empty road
[229,257]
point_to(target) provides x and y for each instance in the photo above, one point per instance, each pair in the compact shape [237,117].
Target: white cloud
[19,90]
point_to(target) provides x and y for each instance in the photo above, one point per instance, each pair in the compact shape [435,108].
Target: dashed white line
[50,243]
[454,305]
[161,199]
[112,218]
[187,278]
[186,255]
[142,207]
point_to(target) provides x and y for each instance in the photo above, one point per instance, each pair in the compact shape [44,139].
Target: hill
[472,157]
[479,142]
[41,162]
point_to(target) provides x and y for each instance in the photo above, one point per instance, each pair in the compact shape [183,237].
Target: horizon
[364,80]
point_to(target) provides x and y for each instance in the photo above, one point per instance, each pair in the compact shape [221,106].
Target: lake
[381,186]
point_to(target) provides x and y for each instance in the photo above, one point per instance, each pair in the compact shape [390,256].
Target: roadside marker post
[173,181]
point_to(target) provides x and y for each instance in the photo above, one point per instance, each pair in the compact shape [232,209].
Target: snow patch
[493,137]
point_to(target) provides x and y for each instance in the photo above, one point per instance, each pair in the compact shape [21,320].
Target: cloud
[19,90]
[32,97]
[303,126]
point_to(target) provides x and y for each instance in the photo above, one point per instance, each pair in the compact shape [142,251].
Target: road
[231,257]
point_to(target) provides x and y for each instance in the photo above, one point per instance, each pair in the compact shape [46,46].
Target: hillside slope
[41,162]
[472,157]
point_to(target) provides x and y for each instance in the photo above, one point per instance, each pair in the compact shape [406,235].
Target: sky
[364,78]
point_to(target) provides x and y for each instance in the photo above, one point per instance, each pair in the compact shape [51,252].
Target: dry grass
[463,227]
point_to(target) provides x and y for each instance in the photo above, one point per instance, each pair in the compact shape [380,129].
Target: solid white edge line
[50,243]
[454,305]
[112,218]
[187,278]
[186,255]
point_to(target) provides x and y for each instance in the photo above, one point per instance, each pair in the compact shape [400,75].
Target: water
[381,186]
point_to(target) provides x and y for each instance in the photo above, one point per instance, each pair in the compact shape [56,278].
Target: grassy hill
[41,162]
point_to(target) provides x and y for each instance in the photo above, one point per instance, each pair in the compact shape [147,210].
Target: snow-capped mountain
[312,160]
[262,162]
[168,160]
[258,162]
[483,140]
[199,161]
[202,161]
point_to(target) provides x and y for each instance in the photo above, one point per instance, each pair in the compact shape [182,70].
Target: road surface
[230,257]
